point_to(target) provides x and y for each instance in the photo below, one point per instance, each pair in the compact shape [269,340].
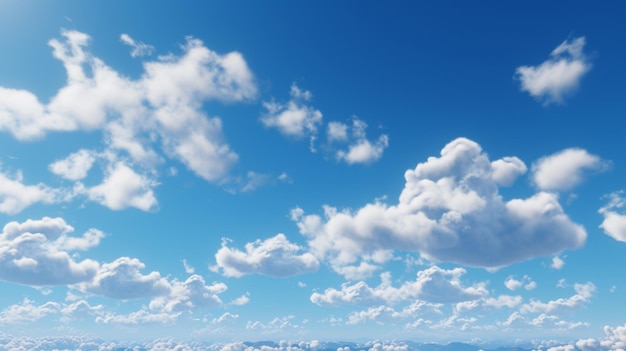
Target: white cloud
[164,106]
[275,257]
[564,170]
[191,295]
[557,263]
[16,196]
[295,118]
[123,188]
[139,48]
[188,268]
[75,166]
[513,284]
[576,301]
[484,304]
[614,223]
[37,253]
[449,210]
[27,312]
[138,317]
[434,285]
[557,76]
[121,279]
[360,149]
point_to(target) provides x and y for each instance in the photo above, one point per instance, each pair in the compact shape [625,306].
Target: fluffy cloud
[188,296]
[275,257]
[360,149]
[559,75]
[294,118]
[37,253]
[614,223]
[27,312]
[433,285]
[159,113]
[449,210]
[121,279]
[578,300]
[16,196]
[75,166]
[513,284]
[122,187]
[564,170]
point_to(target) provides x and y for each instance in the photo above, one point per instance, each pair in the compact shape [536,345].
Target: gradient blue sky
[250,170]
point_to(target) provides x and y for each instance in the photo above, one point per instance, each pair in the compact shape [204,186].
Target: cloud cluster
[432,285]
[141,120]
[449,210]
[559,75]
[274,257]
[297,119]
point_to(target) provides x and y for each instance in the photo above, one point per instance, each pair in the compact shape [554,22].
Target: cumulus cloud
[122,187]
[557,263]
[27,311]
[295,118]
[16,196]
[138,48]
[360,149]
[75,166]
[121,279]
[584,292]
[449,210]
[160,114]
[38,253]
[433,285]
[526,282]
[275,257]
[559,75]
[191,295]
[566,169]
[614,223]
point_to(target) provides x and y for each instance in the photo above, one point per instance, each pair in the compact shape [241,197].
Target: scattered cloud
[449,210]
[74,167]
[159,115]
[557,263]
[275,257]
[566,169]
[188,268]
[433,285]
[138,48]
[191,295]
[360,149]
[295,118]
[576,301]
[559,75]
[614,223]
[513,284]
[16,196]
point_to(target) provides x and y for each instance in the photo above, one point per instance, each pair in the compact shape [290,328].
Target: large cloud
[37,252]
[275,257]
[159,114]
[449,210]
[564,170]
[557,76]
[433,285]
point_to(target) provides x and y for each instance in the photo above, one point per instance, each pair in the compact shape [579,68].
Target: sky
[313,170]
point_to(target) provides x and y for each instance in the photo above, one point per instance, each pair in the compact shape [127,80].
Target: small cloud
[557,263]
[360,149]
[566,169]
[614,223]
[559,75]
[138,48]
[188,268]
[302,285]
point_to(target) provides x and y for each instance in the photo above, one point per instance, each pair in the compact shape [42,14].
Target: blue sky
[312,170]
